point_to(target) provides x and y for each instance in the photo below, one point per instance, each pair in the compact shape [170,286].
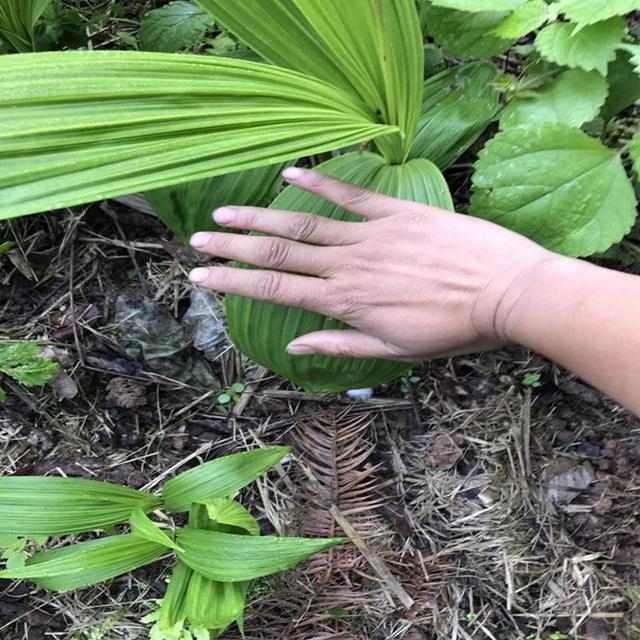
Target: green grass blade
[219,478]
[236,558]
[35,506]
[82,126]
[371,49]
[87,563]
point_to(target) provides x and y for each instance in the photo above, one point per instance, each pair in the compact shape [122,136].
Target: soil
[502,510]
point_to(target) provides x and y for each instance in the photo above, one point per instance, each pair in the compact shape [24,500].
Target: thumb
[342,343]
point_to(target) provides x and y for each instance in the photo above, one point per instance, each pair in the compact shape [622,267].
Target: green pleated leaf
[584,12]
[634,153]
[555,185]
[187,208]
[143,527]
[18,19]
[372,49]
[573,98]
[463,34]
[87,563]
[177,26]
[236,558]
[33,505]
[479,5]
[590,48]
[231,513]
[172,611]
[82,126]
[262,330]
[458,106]
[213,604]
[219,478]
[529,17]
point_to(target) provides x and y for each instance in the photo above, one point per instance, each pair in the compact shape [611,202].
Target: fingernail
[224,215]
[198,275]
[293,173]
[300,350]
[199,239]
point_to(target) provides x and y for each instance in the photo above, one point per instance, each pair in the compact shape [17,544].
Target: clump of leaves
[219,553]
[23,362]
[19,20]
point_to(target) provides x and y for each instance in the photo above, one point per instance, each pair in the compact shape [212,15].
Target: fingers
[303,227]
[346,343]
[349,196]
[268,286]
[272,253]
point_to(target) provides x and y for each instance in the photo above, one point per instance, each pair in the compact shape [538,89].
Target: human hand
[414,282]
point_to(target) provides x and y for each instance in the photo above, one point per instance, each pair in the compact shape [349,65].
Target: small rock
[360,395]
[597,629]
[64,386]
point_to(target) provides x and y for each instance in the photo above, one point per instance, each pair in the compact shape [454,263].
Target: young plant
[335,74]
[219,553]
[18,22]
[23,362]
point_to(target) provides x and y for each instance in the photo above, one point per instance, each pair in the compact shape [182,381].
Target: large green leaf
[233,515]
[467,35]
[187,208]
[574,97]
[371,48]
[18,19]
[82,126]
[555,185]
[214,604]
[87,563]
[590,48]
[143,527]
[585,12]
[479,5]
[34,505]
[624,86]
[219,478]
[176,26]
[529,17]
[235,558]
[458,106]
[262,330]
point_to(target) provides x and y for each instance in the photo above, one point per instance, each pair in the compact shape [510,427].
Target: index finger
[372,206]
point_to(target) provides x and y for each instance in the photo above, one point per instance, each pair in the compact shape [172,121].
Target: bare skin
[417,283]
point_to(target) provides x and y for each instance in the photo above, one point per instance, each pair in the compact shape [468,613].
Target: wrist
[541,297]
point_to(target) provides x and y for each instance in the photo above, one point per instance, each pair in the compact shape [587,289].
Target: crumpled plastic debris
[149,334]
[206,323]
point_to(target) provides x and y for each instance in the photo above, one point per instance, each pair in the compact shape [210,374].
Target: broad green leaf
[87,563]
[458,105]
[233,558]
[213,604]
[18,19]
[634,153]
[262,330]
[34,505]
[172,611]
[555,185]
[7,540]
[624,86]
[177,26]
[590,48]
[143,527]
[231,513]
[219,478]
[22,362]
[187,208]
[373,50]
[467,35]
[529,17]
[573,98]
[584,12]
[479,5]
[80,126]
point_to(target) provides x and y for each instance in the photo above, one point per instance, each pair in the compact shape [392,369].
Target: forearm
[586,318]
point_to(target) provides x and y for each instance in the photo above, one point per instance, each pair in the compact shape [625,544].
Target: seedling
[227,399]
[533,379]
[22,362]
[219,553]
